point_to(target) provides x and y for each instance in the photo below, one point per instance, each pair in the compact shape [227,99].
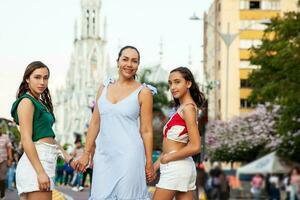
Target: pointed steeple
[190,56]
[75,30]
[90,20]
[161,53]
[105,30]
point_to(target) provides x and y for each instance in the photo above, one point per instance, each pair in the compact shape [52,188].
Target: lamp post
[228,38]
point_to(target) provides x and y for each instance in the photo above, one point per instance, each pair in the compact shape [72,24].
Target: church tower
[88,68]
[89,19]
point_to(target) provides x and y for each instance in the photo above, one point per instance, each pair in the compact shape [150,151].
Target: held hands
[82,162]
[44,181]
[150,174]
[70,160]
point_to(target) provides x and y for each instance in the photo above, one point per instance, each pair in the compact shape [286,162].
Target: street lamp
[228,38]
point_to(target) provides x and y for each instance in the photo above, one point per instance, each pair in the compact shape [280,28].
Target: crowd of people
[273,186]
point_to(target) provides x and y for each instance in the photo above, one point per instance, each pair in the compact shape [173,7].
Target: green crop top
[42,118]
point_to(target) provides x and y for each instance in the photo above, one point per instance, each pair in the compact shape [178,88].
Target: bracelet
[70,161]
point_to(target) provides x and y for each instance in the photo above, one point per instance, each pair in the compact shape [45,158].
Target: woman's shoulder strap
[152,89]
[108,81]
[188,104]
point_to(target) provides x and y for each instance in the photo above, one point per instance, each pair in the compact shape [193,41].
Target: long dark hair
[195,92]
[129,47]
[23,88]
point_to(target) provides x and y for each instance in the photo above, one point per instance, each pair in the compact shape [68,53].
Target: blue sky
[44,30]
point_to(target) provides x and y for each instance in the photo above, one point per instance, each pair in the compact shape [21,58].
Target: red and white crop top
[175,129]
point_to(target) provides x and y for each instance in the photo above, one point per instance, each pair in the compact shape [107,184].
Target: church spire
[190,56]
[75,30]
[161,53]
[90,20]
[105,30]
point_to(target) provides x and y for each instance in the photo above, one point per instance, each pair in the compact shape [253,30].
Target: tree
[278,79]
[160,101]
[244,137]
[9,127]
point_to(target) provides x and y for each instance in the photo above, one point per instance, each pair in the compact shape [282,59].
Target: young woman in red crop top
[181,139]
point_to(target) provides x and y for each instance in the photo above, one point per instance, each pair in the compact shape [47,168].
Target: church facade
[89,65]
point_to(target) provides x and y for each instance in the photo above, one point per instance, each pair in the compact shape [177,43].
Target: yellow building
[231,27]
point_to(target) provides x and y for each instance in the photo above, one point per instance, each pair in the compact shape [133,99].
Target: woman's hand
[82,162]
[44,181]
[150,174]
[165,158]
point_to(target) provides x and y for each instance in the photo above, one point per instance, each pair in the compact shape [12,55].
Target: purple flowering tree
[244,137]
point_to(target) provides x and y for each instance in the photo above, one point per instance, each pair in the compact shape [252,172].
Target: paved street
[63,191]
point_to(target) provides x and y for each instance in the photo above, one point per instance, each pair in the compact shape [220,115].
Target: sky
[44,30]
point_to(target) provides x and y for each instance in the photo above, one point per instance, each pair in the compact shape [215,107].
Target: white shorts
[179,175]
[26,177]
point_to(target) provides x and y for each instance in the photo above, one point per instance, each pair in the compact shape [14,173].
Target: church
[89,65]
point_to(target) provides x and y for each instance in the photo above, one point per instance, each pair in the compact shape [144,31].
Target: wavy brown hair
[23,88]
[195,92]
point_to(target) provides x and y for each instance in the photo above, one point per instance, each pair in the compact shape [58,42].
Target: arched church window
[94,62]
[87,21]
[94,21]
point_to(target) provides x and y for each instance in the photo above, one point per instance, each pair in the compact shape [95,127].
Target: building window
[219,7]
[270,5]
[245,83]
[245,64]
[244,5]
[247,44]
[254,5]
[245,103]
[252,25]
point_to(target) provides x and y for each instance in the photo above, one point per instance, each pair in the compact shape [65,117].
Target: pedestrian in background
[257,184]
[181,139]
[77,178]
[11,174]
[294,184]
[68,174]
[121,131]
[6,159]
[33,112]
[274,187]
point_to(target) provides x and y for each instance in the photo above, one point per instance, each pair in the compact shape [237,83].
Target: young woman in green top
[33,111]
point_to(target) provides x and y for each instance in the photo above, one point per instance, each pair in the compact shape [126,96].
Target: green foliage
[241,153]
[7,126]
[278,79]
[160,101]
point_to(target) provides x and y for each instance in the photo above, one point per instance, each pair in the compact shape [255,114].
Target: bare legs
[36,195]
[170,194]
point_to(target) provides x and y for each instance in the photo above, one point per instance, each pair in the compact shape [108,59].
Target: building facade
[231,27]
[88,67]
